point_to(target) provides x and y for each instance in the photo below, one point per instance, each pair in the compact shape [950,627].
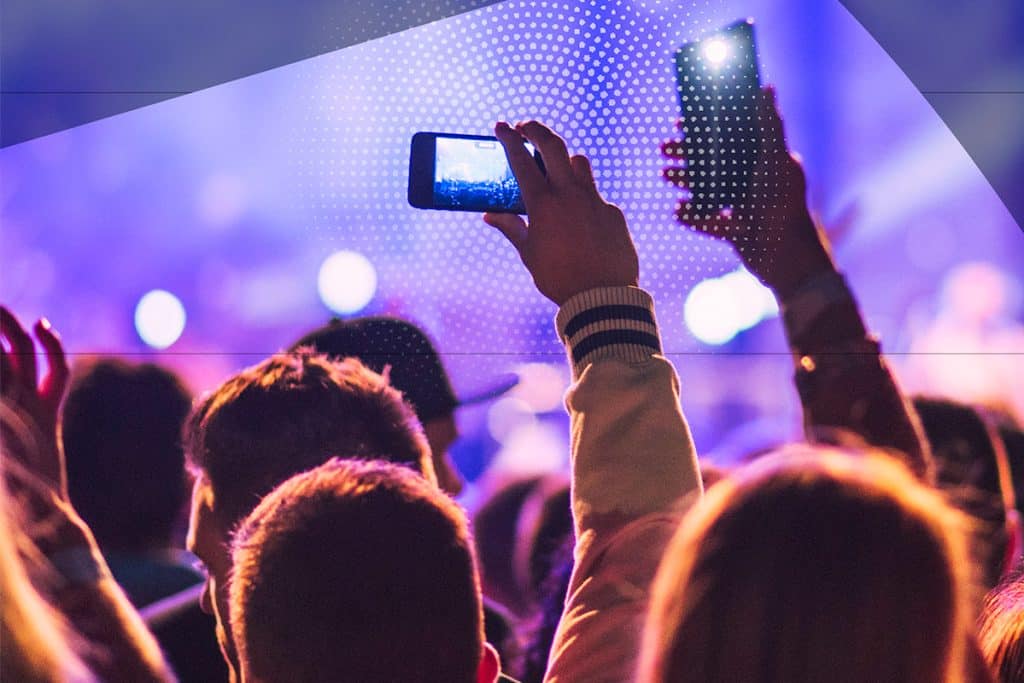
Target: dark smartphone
[457,172]
[719,85]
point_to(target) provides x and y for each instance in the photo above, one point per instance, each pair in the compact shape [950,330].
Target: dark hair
[539,631]
[356,571]
[291,413]
[543,528]
[1001,631]
[967,467]
[814,565]
[495,528]
[122,441]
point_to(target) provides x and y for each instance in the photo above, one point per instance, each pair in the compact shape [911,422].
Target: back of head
[967,467]
[813,566]
[1001,631]
[356,571]
[122,437]
[495,526]
[291,413]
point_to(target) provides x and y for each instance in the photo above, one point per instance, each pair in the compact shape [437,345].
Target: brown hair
[814,565]
[290,413]
[1001,631]
[358,571]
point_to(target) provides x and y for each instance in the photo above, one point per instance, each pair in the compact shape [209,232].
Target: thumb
[512,226]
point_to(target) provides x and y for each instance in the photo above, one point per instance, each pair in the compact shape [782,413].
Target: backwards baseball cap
[405,353]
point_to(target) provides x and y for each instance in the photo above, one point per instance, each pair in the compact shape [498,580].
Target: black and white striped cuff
[608,322]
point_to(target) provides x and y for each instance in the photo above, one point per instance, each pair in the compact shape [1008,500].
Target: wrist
[805,258]
[821,311]
[608,323]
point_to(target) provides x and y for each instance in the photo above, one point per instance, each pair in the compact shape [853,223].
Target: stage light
[347,282]
[159,318]
[708,313]
[718,309]
[716,51]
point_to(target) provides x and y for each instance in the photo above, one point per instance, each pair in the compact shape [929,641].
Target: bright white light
[708,313]
[347,282]
[715,51]
[718,309]
[159,318]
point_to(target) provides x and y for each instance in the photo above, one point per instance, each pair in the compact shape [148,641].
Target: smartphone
[457,172]
[719,84]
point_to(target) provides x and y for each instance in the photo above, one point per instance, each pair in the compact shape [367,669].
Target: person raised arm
[634,467]
[117,644]
[841,376]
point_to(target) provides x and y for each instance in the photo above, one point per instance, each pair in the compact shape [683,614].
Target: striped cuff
[608,322]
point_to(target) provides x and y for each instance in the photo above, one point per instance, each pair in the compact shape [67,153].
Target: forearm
[120,647]
[632,453]
[842,378]
[634,473]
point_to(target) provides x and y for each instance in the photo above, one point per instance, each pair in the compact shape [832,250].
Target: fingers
[56,380]
[584,173]
[721,224]
[552,150]
[674,149]
[22,358]
[678,176]
[512,226]
[770,119]
[528,174]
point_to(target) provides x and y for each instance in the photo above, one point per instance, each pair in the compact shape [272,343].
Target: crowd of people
[885,547]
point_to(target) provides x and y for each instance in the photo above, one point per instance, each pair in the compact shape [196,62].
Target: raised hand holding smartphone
[574,240]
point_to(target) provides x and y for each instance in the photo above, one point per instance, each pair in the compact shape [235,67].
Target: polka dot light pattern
[600,73]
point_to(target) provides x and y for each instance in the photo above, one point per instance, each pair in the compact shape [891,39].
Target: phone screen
[473,174]
[719,86]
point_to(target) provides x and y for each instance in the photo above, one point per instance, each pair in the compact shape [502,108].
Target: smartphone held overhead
[719,86]
[456,172]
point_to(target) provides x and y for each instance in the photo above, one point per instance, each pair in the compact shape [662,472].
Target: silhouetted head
[972,466]
[358,571]
[813,565]
[122,441]
[288,414]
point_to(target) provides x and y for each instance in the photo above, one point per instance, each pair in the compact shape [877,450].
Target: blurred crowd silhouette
[322,540]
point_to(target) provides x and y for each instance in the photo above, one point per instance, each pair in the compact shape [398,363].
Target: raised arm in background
[841,376]
[117,645]
[633,463]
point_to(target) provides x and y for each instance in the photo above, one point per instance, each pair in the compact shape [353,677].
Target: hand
[36,405]
[575,240]
[771,228]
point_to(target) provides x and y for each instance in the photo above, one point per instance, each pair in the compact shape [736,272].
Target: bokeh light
[347,282]
[159,318]
[718,309]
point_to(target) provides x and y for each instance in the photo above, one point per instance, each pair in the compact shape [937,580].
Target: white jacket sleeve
[634,471]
